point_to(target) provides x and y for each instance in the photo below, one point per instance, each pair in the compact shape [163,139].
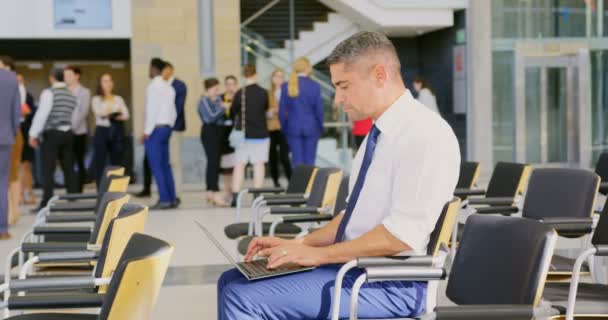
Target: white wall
[30,19]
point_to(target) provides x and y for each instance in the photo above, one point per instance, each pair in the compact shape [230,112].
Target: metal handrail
[259,12]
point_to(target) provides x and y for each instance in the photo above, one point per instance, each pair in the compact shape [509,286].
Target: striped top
[64,104]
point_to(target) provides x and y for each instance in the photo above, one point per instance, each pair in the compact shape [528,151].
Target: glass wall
[546,20]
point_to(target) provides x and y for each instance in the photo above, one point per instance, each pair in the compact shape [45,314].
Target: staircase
[273,24]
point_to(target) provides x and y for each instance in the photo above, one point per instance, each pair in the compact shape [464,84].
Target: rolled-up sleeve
[425,181]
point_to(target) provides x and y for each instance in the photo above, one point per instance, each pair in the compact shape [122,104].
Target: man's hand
[34,142]
[261,243]
[143,138]
[294,253]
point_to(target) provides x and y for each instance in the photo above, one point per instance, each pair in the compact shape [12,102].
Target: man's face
[354,90]
[166,73]
[70,77]
[230,86]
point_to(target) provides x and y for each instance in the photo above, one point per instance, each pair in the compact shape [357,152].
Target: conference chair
[467,180]
[320,201]
[340,205]
[563,199]
[577,299]
[499,271]
[508,181]
[299,187]
[108,210]
[436,252]
[132,290]
[131,219]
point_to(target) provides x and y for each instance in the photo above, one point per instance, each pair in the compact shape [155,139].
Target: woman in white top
[110,115]
[425,94]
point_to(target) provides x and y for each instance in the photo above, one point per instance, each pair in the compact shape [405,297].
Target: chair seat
[563,265]
[55,316]
[236,230]
[590,299]
[244,243]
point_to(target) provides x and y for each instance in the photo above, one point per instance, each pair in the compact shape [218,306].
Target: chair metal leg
[335,312]
[354,298]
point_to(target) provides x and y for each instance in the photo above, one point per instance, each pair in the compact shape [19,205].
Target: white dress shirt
[160,105]
[104,108]
[412,175]
[79,117]
[427,98]
[44,109]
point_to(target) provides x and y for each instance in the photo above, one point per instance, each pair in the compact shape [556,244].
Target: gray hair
[360,44]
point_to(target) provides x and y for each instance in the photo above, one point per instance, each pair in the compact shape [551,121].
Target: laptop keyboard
[257,268]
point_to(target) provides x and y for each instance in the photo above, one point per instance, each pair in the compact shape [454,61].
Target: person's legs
[296,147]
[27,183]
[273,157]
[5,158]
[211,143]
[14,187]
[309,295]
[166,164]
[48,160]
[153,154]
[80,148]
[66,159]
[284,155]
[310,149]
[100,143]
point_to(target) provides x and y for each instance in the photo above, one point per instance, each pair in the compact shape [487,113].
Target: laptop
[255,269]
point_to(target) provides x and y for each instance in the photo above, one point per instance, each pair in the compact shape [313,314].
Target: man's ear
[380,75]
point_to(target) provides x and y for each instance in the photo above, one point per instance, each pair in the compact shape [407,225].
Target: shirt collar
[391,119]
[171,80]
[59,85]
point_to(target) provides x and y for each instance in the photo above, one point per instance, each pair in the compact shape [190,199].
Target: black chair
[469,174]
[131,294]
[498,272]
[299,187]
[583,299]
[601,169]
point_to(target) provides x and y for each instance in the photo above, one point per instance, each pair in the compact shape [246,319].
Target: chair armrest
[54,247]
[495,201]
[308,218]
[267,197]
[570,226]
[52,283]
[42,230]
[266,190]
[395,261]
[506,312]
[56,301]
[286,201]
[601,250]
[71,217]
[78,196]
[73,207]
[296,210]
[508,210]
[68,256]
[459,192]
[405,273]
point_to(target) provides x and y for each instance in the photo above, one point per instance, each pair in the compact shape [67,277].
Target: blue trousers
[309,295]
[5,160]
[303,149]
[157,151]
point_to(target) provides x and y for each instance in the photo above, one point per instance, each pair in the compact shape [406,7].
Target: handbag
[237,137]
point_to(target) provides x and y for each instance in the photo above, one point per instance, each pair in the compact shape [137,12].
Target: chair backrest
[131,219]
[560,192]
[444,227]
[508,179]
[319,196]
[331,189]
[600,234]
[342,195]
[135,285]
[501,260]
[300,179]
[469,174]
[107,173]
[601,168]
[109,208]
[119,183]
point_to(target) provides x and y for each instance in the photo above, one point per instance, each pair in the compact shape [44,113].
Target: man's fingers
[281,260]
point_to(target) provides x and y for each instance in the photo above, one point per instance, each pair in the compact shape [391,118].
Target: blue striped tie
[372,140]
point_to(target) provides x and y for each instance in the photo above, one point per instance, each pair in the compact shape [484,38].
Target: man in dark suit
[10,112]
[180,123]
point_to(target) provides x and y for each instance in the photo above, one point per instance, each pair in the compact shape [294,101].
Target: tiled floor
[189,288]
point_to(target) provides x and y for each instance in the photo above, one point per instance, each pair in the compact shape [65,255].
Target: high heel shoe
[219,200]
